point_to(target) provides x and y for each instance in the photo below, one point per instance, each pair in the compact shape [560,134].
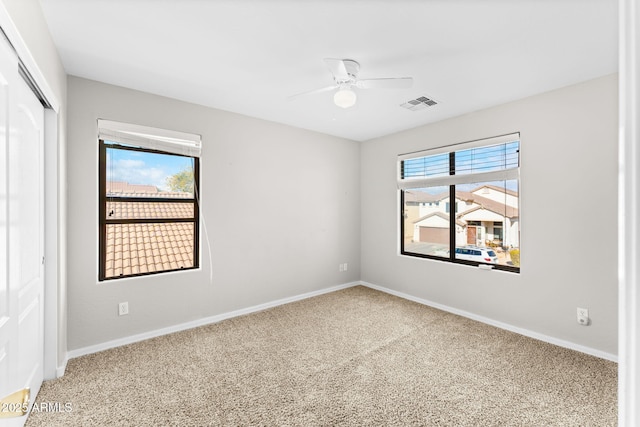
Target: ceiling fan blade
[337,68]
[385,83]
[312,92]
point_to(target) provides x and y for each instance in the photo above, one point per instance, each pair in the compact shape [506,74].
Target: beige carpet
[349,358]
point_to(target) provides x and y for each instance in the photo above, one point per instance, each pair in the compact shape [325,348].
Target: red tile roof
[146,210]
[118,187]
[145,248]
[485,203]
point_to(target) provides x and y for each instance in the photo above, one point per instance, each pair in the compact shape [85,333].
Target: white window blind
[186,144]
[489,159]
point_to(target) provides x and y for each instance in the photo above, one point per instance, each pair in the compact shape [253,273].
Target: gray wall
[568,212]
[281,205]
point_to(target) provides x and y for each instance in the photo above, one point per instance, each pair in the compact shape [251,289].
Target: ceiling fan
[345,77]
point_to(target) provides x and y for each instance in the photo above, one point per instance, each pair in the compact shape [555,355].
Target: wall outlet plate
[123,308]
[583,316]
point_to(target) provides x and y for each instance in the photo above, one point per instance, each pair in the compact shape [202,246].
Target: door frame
[54,224]
[628,215]
[54,297]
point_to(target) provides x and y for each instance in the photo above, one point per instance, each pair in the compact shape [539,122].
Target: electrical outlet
[583,316]
[123,308]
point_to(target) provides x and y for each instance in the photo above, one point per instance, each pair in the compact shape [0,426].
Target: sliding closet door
[21,237]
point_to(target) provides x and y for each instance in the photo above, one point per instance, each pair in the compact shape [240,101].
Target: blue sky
[137,167]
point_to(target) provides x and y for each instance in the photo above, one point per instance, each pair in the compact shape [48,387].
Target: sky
[137,167]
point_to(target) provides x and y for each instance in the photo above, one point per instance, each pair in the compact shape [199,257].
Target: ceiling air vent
[419,103]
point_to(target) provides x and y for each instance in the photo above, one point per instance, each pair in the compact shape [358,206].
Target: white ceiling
[249,56]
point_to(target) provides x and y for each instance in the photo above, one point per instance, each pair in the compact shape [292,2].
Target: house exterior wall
[434,221]
[412,214]
[555,277]
[431,222]
[439,206]
[511,233]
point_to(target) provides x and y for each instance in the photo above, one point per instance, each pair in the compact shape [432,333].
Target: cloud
[137,172]
[129,163]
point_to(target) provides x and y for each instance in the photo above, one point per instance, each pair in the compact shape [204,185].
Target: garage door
[434,235]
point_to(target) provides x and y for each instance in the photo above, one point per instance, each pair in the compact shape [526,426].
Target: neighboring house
[488,215]
[505,196]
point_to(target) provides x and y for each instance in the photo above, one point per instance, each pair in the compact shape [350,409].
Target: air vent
[419,103]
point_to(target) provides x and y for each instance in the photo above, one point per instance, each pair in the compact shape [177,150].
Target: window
[148,202]
[479,180]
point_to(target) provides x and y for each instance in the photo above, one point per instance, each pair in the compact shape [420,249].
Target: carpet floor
[349,358]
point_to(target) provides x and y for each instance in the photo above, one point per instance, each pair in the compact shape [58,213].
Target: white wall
[281,206]
[568,188]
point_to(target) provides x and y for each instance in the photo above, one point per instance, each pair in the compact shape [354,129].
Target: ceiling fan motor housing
[352,67]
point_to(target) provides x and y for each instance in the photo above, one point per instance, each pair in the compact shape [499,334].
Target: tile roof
[146,210]
[118,187]
[146,248]
[488,204]
[418,196]
[124,189]
[499,189]
[440,215]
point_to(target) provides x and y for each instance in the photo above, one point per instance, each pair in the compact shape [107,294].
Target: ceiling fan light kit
[345,98]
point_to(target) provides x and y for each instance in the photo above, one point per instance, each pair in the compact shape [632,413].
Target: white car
[476,253]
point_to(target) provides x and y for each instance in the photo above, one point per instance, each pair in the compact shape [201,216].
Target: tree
[181,181]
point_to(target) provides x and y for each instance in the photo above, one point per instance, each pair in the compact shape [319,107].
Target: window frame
[103,199]
[452,197]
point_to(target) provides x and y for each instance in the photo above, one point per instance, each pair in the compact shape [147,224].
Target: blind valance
[186,144]
[489,159]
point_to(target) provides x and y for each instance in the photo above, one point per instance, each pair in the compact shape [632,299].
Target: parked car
[477,253]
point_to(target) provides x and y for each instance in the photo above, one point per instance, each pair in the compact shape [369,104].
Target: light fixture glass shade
[345,98]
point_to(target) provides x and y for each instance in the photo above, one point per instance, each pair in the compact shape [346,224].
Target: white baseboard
[501,325]
[220,317]
[196,323]
[62,368]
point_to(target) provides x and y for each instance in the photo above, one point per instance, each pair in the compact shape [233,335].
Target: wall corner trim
[60,370]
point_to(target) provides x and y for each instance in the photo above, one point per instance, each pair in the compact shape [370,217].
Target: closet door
[21,238]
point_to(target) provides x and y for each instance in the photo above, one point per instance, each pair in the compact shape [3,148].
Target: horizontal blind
[489,159]
[186,144]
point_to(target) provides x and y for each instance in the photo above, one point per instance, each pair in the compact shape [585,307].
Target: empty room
[279,212]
